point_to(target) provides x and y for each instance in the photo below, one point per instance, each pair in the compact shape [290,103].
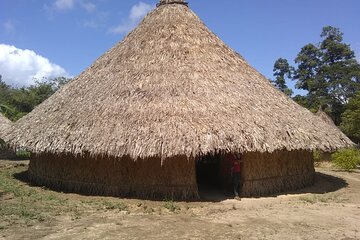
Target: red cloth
[236,167]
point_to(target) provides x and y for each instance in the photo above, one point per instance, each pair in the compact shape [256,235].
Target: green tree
[306,75]
[17,102]
[329,72]
[282,72]
[351,119]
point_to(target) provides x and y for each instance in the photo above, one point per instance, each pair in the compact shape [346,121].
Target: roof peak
[164,2]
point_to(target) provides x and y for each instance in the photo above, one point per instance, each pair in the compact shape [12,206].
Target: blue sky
[63,37]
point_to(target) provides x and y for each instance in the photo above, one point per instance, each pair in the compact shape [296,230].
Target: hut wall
[6,153]
[268,173]
[175,178]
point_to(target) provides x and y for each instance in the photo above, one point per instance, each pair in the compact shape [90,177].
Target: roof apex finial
[164,2]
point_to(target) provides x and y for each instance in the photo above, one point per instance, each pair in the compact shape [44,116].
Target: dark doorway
[209,178]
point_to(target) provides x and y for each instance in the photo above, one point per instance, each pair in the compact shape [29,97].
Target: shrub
[317,156]
[169,205]
[346,159]
[23,154]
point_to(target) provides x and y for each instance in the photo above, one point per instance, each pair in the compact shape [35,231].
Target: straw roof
[326,118]
[171,87]
[5,123]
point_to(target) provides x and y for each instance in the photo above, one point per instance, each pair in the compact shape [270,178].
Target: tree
[351,119]
[339,69]
[329,72]
[306,75]
[282,72]
[17,102]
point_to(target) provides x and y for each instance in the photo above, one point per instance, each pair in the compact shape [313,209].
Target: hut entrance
[208,176]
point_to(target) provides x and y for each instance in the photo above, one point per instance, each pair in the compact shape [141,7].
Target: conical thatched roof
[5,123]
[326,118]
[171,87]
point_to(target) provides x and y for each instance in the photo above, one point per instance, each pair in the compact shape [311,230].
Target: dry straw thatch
[267,173]
[171,88]
[326,155]
[175,179]
[5,124]
[326,118]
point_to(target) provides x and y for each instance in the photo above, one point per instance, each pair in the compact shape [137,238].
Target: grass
[109,205]
[323,198]
[170,205]
[26,205]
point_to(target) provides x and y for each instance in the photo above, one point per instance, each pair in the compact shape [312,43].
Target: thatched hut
[326,155]
[164,110]
[5,153]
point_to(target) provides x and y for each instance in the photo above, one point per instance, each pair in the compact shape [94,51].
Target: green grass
[26,205]
[110,205]
[170,205]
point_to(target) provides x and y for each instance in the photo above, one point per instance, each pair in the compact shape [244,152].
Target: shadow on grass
[23,177]
[323,183]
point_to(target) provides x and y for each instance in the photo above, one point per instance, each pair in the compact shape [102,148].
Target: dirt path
[328,210]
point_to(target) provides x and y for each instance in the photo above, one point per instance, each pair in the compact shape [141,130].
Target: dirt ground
[328,210]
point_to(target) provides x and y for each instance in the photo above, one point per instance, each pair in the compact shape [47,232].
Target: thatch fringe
[5,153]
[171,88]
[5,124]
[175,179]
[264,173]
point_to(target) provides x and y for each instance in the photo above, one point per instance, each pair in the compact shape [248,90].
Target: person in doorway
[236,176]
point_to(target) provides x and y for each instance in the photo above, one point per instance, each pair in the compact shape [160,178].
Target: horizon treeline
[17,102]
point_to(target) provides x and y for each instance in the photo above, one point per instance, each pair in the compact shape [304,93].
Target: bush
[317,156]
[22,154]
[346,159]
[169,205]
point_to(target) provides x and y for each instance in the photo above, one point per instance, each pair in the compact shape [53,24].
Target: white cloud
[88,6]
[64,4]
[20,67]
[9,27]
[137,12]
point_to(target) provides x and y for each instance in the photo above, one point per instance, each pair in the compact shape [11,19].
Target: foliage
[109,205]
[23,154]
[169,205]
[282,71]
[17,102]
[346,159]
[351,119]
[330,74]
[317,156]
